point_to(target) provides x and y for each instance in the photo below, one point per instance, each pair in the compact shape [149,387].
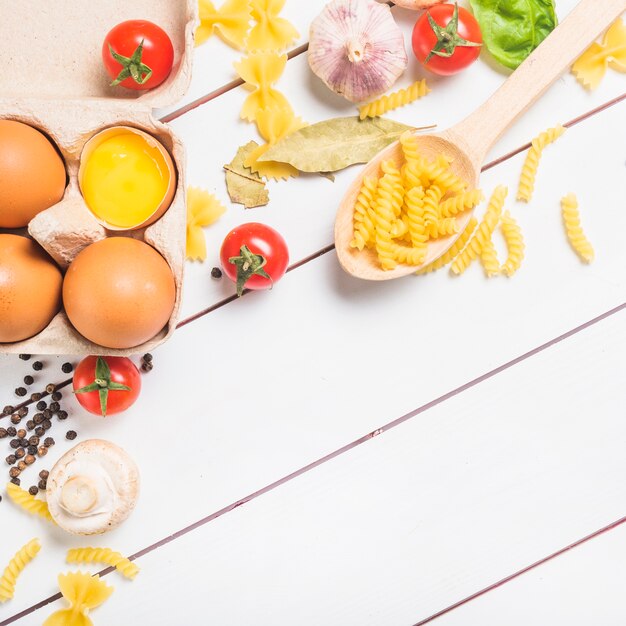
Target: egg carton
[66,94]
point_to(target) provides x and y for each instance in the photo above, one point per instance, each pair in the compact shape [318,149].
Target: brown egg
[119,292]
[30,288]
[32,174]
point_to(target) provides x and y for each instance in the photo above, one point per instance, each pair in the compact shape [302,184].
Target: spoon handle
[480,130]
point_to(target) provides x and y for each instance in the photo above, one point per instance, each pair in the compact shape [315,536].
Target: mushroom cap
[92,488]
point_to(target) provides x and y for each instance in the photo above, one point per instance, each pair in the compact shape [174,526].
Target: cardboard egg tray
[53,79]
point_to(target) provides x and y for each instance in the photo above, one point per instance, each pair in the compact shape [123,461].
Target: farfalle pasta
[203,208]
[231,21]
[84,593]
[260,71]
[28,502]
[591,66]
[15,567]
[394,100]
[573,229]
[531,163]
[270,33]
[105,556]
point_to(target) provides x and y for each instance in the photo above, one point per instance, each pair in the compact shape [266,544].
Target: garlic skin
[356,48]
[92,488]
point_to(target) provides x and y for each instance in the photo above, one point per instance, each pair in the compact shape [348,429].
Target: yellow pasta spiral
[387,208]
[410,256]
[452,252]
[21,559]
[489,259]
[28,502]
[483,232]
[394,100]
[439,174]
[400,228]
[461,202]
[431,210]
[363,214]
[575,234]
[514,243]
[105,556]
[531,163]
[414,205]
[444,226]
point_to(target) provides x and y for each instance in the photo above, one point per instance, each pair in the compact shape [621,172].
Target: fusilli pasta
[489,259]
[106,556]
[21,559]
[531,163]
[573,229]
[462,202]
[388,207]
[27,502]
[483,233]
[452,252]
[394,100]
[364,227]
[514,243]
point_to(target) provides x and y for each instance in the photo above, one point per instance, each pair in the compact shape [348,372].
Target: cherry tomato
[446,39]
[255,256]
[106,385]
[138,54]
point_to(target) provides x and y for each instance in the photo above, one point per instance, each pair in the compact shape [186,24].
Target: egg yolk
[125,179]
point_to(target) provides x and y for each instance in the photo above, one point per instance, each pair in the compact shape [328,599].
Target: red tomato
[446,39]
[138,54]
[106,385]
[255,256]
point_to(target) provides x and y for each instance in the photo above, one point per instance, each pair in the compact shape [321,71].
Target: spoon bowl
[467,143]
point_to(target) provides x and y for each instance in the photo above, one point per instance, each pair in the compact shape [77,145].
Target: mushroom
[356,48]
[92,488]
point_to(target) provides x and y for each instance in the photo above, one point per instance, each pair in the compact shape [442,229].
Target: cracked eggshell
[92,488]
[356,48]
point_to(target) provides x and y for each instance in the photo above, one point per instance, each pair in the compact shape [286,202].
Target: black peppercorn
[42,451]
[3,433]
[22,411]
[21,465]
[62,415]
[29,459]
[47,413]
[31,449]
[16,481]
[35,397]
[38,418]
[50,387]
[147,367]
[147,357]
[28,380]
[24,443]
[48,442]
[56,396]
[44,474]
[47,424]
[20,391]
[7,409]
[216,273]
[71,435]
[14,443]
[15,418]
[54,406]
[21,433]
[11,431]
[37,366]
[40,431]
[66,368]
[30,424]
[14,472]
[33,441]
[42,484]
[20,453]
[11,459]
[24,357]
[41,405]
[33,490]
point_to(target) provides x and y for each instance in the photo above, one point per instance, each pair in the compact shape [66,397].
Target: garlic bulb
[92,488]
[356,48]
[417,4]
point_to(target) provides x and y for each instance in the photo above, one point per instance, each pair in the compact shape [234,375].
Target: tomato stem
[448,38]
[103,384]
[248,264]
[131,66]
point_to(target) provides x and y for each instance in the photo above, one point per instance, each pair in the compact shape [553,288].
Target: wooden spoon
[468,142]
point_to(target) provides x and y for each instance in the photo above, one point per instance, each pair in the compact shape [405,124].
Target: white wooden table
[466,466]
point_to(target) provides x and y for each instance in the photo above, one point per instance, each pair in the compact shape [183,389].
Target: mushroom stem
[79,495]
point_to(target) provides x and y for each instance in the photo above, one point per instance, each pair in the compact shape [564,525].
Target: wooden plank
[415,519]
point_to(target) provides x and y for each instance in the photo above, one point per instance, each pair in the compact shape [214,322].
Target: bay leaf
[334,144]
[244,186]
